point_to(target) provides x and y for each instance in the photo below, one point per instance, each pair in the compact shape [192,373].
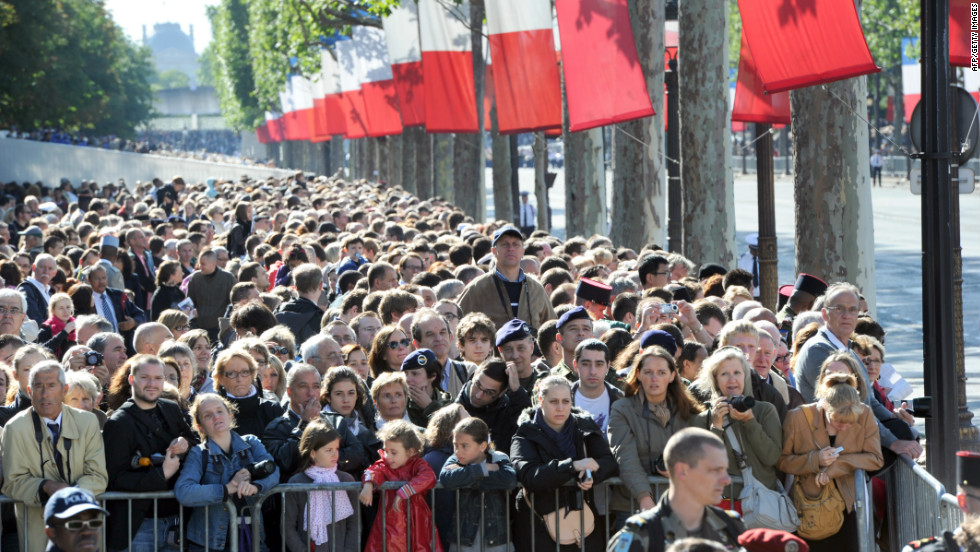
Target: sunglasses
[78,525]
[278,350]
[399,343]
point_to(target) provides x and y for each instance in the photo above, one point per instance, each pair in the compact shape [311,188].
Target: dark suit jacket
[122,307]
[37,307]
[147,280]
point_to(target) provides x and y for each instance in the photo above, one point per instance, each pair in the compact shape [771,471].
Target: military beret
[578,313]
[512,331]
[660,338]
[770,540]
[419,359]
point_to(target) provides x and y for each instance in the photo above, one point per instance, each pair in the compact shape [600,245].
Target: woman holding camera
[656,406]
[556,444]
[734,413]
[224,466]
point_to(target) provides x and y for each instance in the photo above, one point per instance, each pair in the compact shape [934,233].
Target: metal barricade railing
[918,504]
[155,496]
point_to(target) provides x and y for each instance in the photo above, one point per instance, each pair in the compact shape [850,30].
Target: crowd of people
[218,146]
[220,338]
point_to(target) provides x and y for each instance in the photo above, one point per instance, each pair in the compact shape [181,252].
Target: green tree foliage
[232,74]
[171,78]
[206,65]
[66,64]
[886,23]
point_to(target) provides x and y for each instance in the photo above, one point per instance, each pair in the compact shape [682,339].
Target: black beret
[577,313]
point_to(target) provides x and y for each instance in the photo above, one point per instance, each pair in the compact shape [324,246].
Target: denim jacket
[470,481]
[197,488]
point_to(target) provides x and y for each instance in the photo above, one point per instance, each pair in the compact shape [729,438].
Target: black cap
[506,231]
[512,331]
[810,284]
[710,270]
[577,313]
[660,338]
[594,291]
[968,468]
[419,359]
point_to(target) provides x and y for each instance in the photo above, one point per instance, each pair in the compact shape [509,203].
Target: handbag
[823,516]
[762,507]
[572,527]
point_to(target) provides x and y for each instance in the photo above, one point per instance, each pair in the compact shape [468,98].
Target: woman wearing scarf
[325,518]
[234,375]
[556,444]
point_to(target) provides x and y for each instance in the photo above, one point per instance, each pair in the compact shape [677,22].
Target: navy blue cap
[69,502]
[577,313]
[419,358]
[176,218]
[661,338]
[506,230]
[512,331]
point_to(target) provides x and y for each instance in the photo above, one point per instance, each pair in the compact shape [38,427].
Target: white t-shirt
[599,408]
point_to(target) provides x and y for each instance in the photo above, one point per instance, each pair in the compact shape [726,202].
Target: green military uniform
[656,529]
[785,320]
[529,382]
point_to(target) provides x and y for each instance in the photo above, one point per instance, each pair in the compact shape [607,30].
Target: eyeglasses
[184,328]
[236,375]
[872,361]
[844,310]
[278,350]
[335,357]
[12,312]
[784,358]
[78,525]
[491,393]
[399,343]
[450,316]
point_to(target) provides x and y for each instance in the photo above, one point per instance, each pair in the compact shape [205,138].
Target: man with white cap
[749,262]
[73,521]
[108,249]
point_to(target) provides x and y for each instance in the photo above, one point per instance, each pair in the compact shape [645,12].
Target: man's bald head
[150,336]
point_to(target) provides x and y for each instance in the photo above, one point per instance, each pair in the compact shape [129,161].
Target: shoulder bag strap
[733,440]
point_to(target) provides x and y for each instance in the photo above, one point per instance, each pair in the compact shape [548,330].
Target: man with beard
[149,439]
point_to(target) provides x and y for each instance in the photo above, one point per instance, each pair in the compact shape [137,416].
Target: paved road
[898,261]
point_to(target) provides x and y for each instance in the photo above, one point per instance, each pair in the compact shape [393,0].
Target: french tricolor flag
[405,52]
[273,123]
[318,115]
[447,66]
[604,82]
[296,101]
[355,120]
[911,78]
[377,82]
[333,104]
[525,70]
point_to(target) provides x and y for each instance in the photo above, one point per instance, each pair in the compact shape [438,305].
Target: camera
[921,407]
[140,461]
[667,308]
[260,470]
[93,358]
[741,403]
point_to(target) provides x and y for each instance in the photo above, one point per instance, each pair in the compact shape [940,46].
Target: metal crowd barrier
[918,504]
[155,496]
[908,482]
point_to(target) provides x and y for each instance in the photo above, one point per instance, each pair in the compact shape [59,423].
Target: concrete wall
[29,161]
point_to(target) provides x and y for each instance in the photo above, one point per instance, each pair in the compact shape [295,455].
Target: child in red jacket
[401,461]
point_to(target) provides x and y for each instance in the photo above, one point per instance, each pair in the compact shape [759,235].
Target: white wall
[30,161]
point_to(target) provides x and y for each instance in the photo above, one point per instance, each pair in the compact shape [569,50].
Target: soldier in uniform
[697,464]
[967,535]
[805,293]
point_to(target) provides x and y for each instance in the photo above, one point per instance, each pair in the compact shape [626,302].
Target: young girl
[58,331]
[332,513]
[400,461]
[476,469]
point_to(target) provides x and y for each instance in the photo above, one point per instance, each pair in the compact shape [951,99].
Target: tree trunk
[540,149]
[409,141]
[442,167]
[709,220]
[468,152]
[382,154]
[639,206]
[502,195]
[832,185]
[424,163]
[338,160]
[394,160]
[515,177]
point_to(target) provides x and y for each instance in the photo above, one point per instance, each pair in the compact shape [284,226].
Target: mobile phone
[838,450]
[587,476]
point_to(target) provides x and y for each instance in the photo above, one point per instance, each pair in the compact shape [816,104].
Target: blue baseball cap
[512,331]
[505,231]
[69,502]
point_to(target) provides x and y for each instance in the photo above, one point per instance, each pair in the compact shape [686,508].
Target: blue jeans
[143,540]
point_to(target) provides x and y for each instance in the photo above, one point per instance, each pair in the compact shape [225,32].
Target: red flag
[800,43]
[526,84]
[355,121]
[447,67]
[274,126]
[262,134]
[959,32]
[405,52]
[604,81]
[377,82]
[333,104]
[752,105]
[318,115]
[488,98]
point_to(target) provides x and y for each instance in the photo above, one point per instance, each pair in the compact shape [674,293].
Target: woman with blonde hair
[235,378]
[176,321]
[823,444]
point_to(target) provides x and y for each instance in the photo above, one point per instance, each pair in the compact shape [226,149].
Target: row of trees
[830,141]
[66,64]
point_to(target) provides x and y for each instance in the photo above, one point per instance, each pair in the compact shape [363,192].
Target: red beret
[769,540]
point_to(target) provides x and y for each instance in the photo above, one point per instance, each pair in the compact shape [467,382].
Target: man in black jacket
[302,315]
[114,305]
[495,395]
[143,267]
[282,435]
[149,437]
[37,288]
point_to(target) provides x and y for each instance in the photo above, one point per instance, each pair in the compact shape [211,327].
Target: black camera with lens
[741,403]
[260,470]
[921,407]
[93,358]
